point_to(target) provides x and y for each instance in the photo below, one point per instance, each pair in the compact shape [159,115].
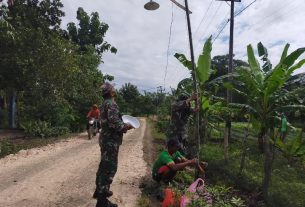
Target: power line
[235,15]
[169,41]
[203,18]
[183,51]
[224,26]
[220,4]
[241,11]
[273,14]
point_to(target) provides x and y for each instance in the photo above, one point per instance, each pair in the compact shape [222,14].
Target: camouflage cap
[106,88]
[183,96]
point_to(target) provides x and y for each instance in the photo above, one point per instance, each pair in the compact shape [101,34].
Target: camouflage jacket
[180,112]
[111,122]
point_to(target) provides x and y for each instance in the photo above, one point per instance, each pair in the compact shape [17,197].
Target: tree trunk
[12,110]
[205,130]
[226,140]
[261,141]
[267,165]
[244,150]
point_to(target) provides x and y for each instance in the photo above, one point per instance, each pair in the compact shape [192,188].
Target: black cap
[173,143]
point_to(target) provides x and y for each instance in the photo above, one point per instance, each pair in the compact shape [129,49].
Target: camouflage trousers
[181,136]
[107,167]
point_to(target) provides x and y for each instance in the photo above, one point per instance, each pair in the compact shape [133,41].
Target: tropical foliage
[53,73]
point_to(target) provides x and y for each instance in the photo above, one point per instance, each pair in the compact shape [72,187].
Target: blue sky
[142,37]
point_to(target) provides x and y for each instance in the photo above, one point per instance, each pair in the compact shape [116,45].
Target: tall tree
[90,32]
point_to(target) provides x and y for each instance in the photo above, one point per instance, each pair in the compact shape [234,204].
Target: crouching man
[170,161]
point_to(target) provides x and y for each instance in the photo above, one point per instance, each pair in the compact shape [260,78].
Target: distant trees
[131,101]
[54,73]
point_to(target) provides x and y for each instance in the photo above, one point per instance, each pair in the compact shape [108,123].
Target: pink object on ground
[196,187]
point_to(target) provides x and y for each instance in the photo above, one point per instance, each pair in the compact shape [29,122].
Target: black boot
[109,204]
[105,194]
[102,202]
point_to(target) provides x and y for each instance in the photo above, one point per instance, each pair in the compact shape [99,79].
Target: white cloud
[141,36]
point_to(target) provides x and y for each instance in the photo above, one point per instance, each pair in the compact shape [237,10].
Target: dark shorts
[157,177]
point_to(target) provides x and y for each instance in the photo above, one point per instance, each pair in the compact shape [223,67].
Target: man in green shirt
[283,129]
[170,161]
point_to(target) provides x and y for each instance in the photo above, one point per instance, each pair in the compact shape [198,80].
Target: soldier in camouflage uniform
[180,112]
[110,139]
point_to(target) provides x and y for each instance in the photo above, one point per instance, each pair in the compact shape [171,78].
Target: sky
[146,48]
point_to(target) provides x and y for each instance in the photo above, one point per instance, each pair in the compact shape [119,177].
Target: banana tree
[203,72]
[263,88]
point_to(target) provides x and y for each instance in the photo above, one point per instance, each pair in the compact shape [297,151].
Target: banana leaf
[204,62]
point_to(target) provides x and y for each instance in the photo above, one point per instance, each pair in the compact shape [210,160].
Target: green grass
[288,182]
[144,201]
[12,146]
[156,134]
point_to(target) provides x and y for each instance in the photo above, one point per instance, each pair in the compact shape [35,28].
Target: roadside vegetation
[249,158]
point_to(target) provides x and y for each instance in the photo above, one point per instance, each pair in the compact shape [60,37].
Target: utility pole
[159,94]
[230,69]
[227,133]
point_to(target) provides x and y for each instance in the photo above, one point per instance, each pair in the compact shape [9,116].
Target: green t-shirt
[164,159]
[284,125]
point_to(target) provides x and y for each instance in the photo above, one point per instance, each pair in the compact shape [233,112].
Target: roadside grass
[288,180]
[144,201]
[12,146]
[157,134]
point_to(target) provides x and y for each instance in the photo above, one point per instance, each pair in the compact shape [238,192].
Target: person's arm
[179,105]
[182,165]
[89,114]
[178,157]
[114,120]
[99,114]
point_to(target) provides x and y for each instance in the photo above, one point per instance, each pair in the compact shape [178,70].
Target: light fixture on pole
[154,5]
[151,5]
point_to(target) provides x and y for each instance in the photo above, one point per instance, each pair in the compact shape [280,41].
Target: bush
[162,125]
[43,129]
[287,194]
[144,201]
[7,148]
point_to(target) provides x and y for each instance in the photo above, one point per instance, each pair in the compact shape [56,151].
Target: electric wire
[186,52]
[245,8]
[220,4]
[203,18]
[220,31]
[271,18]
[235,15]
[168,46]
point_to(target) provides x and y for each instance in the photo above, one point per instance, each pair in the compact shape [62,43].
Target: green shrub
[43,129]
[162,125]
[144,201]
[7,148]
[284,194]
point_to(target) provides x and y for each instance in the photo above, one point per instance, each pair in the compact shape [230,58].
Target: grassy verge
[288,180]
[12,146]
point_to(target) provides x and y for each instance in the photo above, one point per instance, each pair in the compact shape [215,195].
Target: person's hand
[196,109]
[193,97]
[193,162]
[129,126]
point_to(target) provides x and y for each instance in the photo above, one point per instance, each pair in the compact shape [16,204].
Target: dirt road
[63,174]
